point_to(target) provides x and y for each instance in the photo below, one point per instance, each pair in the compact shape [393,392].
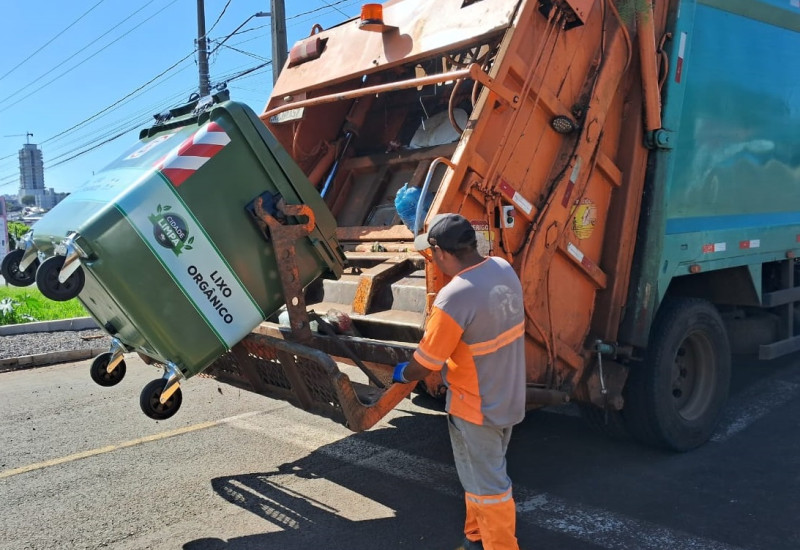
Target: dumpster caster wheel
[100,374]
[150,402]
[12,274]
[47,280]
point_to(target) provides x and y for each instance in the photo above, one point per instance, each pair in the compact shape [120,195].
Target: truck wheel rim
[693,376]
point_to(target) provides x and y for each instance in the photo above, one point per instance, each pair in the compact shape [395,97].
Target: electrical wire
[113,131]
[72,129]
[68,27]
[228,3]
[294,20]
[334,7]
[329,5]
[28,95]
[245,53]
[119,101]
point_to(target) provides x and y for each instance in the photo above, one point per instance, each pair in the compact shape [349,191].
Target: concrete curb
[46,359]
[76,323]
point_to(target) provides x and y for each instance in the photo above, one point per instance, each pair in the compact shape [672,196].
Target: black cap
[447,231]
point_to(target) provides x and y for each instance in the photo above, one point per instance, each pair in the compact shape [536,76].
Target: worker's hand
[397,376]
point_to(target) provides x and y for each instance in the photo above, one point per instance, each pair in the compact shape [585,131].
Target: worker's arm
[441,337]
[410,371]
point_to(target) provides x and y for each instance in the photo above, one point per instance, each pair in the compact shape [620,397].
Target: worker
[474,336]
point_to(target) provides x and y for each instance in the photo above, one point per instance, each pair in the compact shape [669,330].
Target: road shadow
[425,507]
[733,493]
[361,464]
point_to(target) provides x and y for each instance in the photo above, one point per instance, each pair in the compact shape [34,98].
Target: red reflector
[306,50]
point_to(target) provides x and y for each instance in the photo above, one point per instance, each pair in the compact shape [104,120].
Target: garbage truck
[637,161]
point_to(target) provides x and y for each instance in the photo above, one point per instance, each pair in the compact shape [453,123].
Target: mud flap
[308,378]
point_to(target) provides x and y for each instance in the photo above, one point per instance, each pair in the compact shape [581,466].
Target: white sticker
[182,246]
[575,252]
[523,203]
[149,145]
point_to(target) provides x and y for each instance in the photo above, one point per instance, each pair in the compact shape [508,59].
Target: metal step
[403,289]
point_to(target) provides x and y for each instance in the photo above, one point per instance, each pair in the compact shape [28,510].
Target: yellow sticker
[484,235]
[584,219]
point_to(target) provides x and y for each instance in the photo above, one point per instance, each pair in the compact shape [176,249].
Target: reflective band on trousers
[491,499]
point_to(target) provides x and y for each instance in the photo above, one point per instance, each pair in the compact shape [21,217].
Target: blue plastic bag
[405,202]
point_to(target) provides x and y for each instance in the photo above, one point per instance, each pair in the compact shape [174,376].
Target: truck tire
[674,398]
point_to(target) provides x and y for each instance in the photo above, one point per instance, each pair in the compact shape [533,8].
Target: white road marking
[587,523]
[753,404]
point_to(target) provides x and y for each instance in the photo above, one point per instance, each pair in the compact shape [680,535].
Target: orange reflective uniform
[474,336]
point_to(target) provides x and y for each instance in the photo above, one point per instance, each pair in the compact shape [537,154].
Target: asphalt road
[82,467]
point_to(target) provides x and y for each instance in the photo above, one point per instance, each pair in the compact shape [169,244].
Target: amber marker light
[372,18]
[695,268]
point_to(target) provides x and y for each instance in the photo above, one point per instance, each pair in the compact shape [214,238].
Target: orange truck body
[553,111]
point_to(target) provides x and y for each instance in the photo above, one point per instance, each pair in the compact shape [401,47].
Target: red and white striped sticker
[714,247]
[513,195]
[193,153]
[752,243]
[681,55]
[573,177]
[582,258]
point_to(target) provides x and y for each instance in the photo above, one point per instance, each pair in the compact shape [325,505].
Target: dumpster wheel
[12,274]
[99,370]
[51,287]
[149,400]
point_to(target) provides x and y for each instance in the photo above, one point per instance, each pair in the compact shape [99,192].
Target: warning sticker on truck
[483,235]
[182,246]
[584,219]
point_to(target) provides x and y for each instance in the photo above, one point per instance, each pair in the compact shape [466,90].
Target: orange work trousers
[492,520]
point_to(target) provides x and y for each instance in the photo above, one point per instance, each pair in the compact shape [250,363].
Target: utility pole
[279,46]
[202,50]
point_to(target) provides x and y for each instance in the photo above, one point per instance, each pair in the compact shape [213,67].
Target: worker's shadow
[359,467]
[404,476]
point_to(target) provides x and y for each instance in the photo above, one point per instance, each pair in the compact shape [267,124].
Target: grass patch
[27,304]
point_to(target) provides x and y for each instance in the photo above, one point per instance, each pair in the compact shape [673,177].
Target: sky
[85,76]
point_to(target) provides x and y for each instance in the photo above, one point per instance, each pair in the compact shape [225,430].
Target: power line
[113,131]
[248,71]
[18,65]
[334,7]
[85,47]
[139,121]
[329,5]
[228,3]
[135,120]
[254,56]
[124,98]
[6,107]
[141,112]
[310,17]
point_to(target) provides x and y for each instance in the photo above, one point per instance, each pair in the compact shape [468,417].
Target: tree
[28,200]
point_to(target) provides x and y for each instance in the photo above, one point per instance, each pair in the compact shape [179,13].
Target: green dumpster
[172,265]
